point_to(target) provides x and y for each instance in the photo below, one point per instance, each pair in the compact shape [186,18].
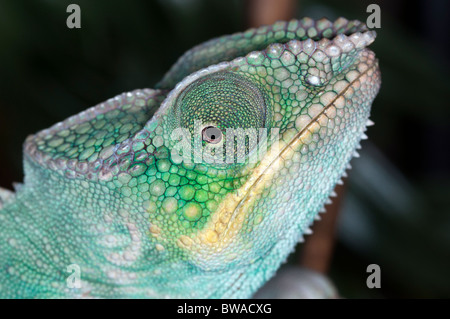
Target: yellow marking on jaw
[220,227]
[211,236]
[227,221]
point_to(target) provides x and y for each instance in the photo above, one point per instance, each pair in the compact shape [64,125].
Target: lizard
[158,193]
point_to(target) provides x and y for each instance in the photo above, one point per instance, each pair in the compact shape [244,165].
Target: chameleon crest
[198,188]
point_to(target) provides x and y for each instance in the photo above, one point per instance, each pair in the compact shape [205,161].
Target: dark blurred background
[395,210]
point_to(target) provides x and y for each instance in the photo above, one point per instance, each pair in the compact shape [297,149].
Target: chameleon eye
[212,134]
[226,112]
[228,100]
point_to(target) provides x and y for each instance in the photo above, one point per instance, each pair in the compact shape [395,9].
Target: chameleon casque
[119,190]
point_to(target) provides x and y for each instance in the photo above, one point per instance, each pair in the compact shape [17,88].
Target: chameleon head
[290,117]
[251,133]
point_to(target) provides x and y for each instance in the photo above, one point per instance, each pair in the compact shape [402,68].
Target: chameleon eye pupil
[212,134]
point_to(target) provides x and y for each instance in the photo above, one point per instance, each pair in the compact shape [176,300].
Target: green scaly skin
[110,191]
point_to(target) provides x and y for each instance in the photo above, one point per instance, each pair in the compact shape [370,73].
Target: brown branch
[261,12]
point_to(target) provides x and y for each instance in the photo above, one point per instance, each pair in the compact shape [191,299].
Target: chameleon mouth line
[294,139]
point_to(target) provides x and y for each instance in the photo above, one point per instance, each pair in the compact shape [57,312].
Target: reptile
[201,187]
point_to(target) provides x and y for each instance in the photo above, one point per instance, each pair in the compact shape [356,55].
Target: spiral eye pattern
[226,99]
[217,103]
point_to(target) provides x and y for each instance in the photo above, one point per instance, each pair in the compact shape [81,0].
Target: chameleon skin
[106,189]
